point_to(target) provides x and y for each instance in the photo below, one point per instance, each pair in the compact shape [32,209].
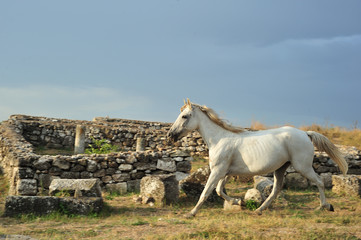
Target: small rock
[253,194]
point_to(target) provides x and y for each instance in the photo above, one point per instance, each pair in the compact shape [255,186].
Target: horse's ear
[188,102]
[185,103]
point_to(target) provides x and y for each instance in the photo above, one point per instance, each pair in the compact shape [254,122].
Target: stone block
[42,163]
[296,181]
[166,165]
[162,188]
[17,205]
[347,185]
[81,206]
[40,205]
[83,187]
[27,187]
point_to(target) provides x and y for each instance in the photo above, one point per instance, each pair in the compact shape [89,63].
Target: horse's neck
[210,131]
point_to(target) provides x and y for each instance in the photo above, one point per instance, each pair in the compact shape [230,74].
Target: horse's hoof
[331,208]
[258,212]
[328,207]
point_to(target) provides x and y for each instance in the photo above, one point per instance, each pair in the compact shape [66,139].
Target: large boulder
[161,189]
[347,185]
[194,184]
[76,187]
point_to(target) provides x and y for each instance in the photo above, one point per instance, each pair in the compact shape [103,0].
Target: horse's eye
[185,116]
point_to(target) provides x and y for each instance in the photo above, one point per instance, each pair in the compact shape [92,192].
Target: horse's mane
[213,116]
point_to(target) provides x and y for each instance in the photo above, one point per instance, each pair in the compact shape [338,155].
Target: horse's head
[185,123]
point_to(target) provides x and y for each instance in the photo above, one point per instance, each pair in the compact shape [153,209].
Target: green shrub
[101,146]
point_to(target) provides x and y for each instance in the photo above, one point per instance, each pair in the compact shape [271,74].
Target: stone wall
[60,133]
[30,173]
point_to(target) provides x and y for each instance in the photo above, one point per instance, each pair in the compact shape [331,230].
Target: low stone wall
[31,174]
[60,133]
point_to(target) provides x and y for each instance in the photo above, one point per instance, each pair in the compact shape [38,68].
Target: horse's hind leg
[311,175]
[221,193]
[277,186]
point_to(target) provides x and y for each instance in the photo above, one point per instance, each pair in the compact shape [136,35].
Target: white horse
[235,151]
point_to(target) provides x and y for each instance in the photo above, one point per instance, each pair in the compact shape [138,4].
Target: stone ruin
[30,173]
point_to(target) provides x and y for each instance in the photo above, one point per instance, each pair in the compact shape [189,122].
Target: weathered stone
[17,205]
[133,185]
[77,168]
[107,179]
[162,188]
[70,175]
[42,163]
[92,166]
[86,175]
[347,185]
[145,166]
[87,187]
[100,173]
[25,172]
[45,180]
[121,177]
[125,167]
[81,206]
[194,184]
[179,153]
[296,180]
[117,187]
[166,165]
[264,185]
[254,195]
[61,163]
[27,187]
[184,166]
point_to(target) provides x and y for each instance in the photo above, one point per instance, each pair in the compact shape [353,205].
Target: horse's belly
[257,164]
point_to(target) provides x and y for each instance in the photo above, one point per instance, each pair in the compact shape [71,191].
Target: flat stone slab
[43,205]
[347,185]
[76,187]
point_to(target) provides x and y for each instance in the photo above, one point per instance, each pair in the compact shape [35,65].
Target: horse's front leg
[216,175]
[221,193]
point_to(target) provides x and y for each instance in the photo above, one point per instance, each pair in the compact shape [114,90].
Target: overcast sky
[277,62]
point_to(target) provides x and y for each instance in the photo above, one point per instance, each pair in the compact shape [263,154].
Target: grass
[291,216]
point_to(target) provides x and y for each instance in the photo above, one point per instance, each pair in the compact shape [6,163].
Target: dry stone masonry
[30,173]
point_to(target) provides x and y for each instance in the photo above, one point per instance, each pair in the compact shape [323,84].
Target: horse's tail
[322,143]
